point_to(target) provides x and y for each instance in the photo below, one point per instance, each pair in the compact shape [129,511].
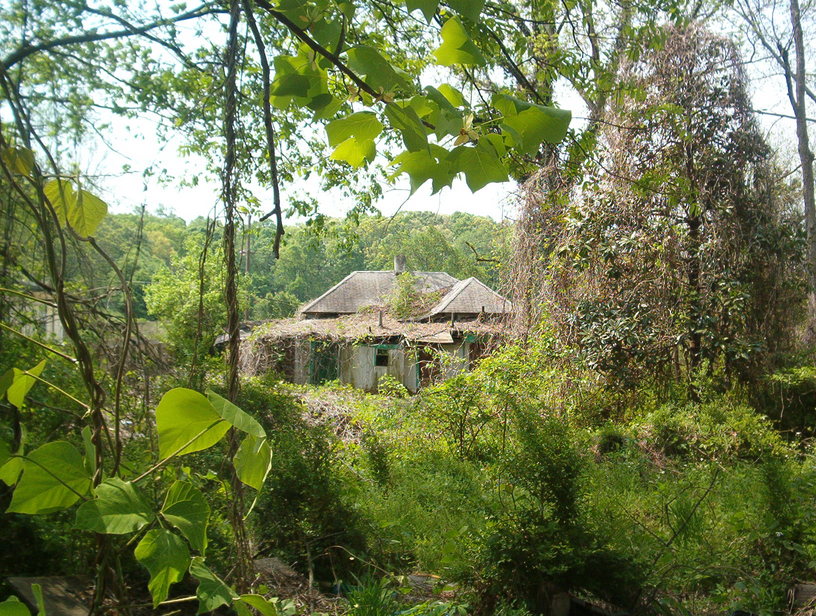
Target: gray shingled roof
[361,289]
[471,296]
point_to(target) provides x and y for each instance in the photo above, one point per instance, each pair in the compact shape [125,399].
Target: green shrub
[303,511]
[391,387]
[610,439]
[720,429]
[373,597]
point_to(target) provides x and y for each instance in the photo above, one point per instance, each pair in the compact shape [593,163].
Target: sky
[128,191]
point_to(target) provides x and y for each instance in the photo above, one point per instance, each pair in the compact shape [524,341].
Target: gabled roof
[471,296]
[361,289]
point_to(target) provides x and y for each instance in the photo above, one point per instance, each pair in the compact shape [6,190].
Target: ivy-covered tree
[677,252]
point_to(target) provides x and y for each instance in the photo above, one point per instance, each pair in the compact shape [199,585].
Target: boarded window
[381,358]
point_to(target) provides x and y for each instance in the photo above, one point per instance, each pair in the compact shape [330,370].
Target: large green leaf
[212,592]
[354,152]
[408,123]
[264,606]
[539,124]
[531,123]
[253,460]
[80,210]
[13,607]
[11,470]
[378,72]
[18,159]
[424,165]
[239,419]
[53,478]
[22,384]
[186,421]
[453,96]
[118,509]
[354,137]
[457,47]
[186,508]
[166,557]
[481,164]
[362,125]
[467,8]
[329,33]
[297,80]
[446,119]
[428,7]
[5,452]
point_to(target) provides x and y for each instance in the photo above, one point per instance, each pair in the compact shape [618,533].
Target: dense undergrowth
[516,482]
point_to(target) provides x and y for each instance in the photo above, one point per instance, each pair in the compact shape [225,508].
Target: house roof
[361,289]
[471,296]
[366,325]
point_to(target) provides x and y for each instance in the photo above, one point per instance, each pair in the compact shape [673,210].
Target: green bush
[720,429]
[302,514]
[373,597]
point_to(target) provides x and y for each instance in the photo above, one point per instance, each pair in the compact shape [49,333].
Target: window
[381,358]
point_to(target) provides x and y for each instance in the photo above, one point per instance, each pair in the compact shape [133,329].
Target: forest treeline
[160,252]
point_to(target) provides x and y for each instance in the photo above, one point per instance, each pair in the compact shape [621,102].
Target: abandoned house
[418,327]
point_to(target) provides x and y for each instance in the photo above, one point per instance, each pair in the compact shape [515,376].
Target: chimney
[399,264]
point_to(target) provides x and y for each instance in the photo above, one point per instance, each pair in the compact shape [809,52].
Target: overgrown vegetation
[644,443]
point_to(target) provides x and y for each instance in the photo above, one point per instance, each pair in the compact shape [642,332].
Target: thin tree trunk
[796,94]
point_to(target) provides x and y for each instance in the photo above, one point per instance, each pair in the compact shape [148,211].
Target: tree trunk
[796,94]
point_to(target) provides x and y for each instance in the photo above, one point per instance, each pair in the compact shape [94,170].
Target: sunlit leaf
[166,557]
[428,7]
[529,124]
[117,509]
[454,96]
[362,125]
[18,160]
[378,72]
[457,47]
[446,119]
[186,421]
[212,592]
[481,164]
[297,80]
[407,122]
[354,152]
[11,470]
[239,419]
[22,384]
[13,607]
[253,460]
[186,508]
[80,210]
[424,165]
[53,478]
[264,606]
